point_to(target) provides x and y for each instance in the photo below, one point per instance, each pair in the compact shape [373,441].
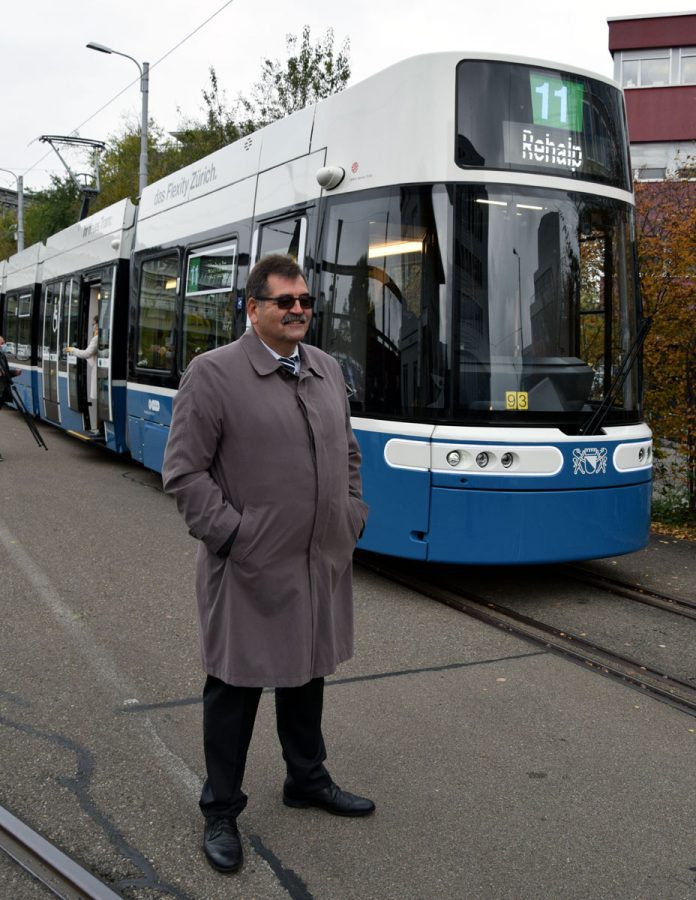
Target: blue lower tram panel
[484,527]
[416,514]
[515,527]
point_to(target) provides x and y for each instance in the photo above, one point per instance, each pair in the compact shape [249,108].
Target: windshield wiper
[596,420]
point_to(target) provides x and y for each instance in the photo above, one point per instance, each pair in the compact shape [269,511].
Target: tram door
[69,337]
[100,304]
[50,350]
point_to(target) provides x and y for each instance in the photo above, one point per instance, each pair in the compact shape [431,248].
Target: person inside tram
[90,354]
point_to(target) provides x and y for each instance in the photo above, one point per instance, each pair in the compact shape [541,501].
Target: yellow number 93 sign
[516,400]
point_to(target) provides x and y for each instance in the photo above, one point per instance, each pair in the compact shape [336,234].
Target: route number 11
[561,93]
[556,103]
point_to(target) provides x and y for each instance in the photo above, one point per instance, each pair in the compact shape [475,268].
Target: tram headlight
[641,454]
[454,457]
[482,459]
[507,459]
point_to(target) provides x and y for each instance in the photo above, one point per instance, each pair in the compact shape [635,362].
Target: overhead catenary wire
[137,80]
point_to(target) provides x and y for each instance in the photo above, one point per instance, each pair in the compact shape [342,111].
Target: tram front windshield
[545,302]
[478,303]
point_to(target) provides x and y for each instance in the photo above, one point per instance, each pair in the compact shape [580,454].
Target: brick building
[655,62]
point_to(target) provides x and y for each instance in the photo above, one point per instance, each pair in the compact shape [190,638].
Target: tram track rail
[578,648]
[678,605]
[61,875]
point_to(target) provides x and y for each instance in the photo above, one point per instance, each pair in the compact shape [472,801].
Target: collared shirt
[295,356]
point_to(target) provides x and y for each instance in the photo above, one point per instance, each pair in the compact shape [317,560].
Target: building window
[688,66]
[630,72]
[654,72]
[646,71]
[656,68]
[651,173]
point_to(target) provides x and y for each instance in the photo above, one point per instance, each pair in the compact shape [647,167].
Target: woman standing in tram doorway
[90,354]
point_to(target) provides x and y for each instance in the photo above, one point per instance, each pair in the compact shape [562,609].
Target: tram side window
[159,283]
[24,326]
[69,322]
[606,319]
[593,256]
[17,326]
[105,303]
[10,326]
[209,302]
[282,237]
[382,310]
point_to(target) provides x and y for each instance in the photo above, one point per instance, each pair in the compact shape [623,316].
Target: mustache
[291,318]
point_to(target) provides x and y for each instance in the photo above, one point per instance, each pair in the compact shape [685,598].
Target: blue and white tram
[20,295]
[52,293]
[466,223]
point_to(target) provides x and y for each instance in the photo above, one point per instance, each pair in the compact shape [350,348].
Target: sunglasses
[287,301]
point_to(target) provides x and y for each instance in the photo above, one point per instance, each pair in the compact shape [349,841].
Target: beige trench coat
[274,455]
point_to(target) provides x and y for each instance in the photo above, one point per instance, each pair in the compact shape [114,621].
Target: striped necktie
[288,363]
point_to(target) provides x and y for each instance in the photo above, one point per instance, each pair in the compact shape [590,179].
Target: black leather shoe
[221,844]
[332,799]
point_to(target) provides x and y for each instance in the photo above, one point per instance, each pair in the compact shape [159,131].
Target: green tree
[8,233]
[120,163]
[51,210]
[196,138]
[308,75]
[313,72]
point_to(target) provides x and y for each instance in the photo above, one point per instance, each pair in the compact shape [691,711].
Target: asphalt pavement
[499,770]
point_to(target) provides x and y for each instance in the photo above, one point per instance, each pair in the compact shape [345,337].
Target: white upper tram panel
[102,238]
[270,169]
[396,127]
[22,269]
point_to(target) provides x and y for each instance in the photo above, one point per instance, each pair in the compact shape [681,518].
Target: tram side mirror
[330,177]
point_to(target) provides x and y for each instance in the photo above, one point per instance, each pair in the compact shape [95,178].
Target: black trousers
[229,713]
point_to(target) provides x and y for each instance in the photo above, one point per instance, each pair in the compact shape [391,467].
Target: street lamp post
[144,89]
[20,207]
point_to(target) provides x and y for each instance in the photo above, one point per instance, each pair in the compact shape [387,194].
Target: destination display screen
[528,118]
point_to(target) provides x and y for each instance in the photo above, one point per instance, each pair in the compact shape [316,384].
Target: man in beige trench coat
[265,471]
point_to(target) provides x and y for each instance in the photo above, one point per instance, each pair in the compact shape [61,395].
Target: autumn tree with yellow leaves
[666,235]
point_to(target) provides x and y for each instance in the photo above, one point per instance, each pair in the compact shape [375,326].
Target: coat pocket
[246,536]
[358,515]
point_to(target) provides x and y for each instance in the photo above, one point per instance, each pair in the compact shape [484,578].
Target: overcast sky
[52,84]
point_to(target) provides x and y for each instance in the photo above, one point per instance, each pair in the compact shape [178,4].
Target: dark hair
[273,264]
